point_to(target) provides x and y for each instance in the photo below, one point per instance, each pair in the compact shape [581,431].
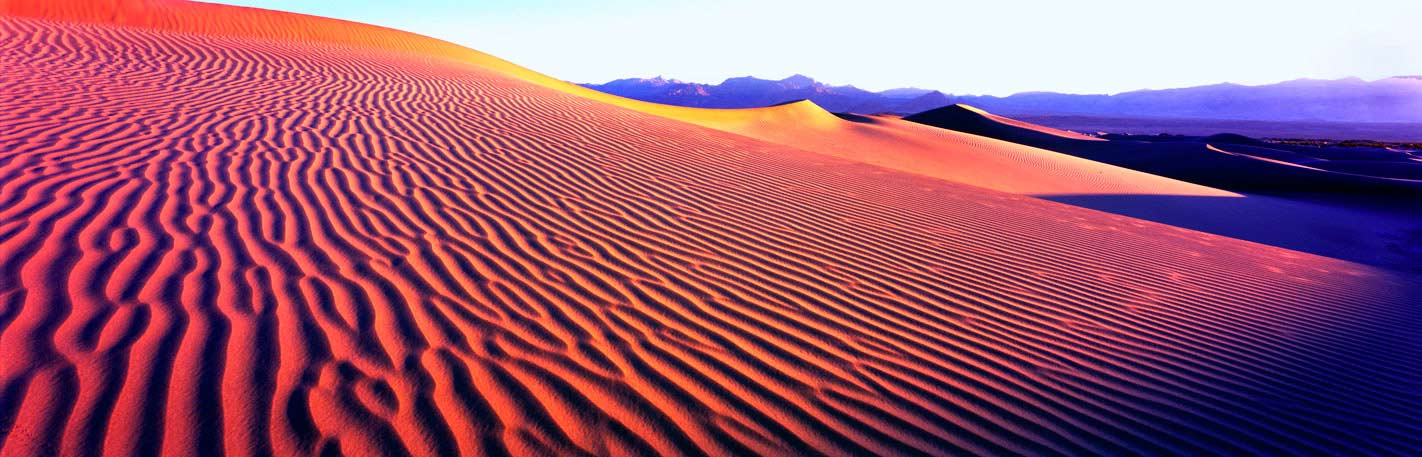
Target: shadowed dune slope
[1226,165]
[260,244]
[1376,223]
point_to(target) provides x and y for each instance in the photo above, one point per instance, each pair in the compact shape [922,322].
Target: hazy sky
[970,47]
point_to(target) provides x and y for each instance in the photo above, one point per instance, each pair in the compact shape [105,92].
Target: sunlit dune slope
[891,143]
[939,153]
[234,232]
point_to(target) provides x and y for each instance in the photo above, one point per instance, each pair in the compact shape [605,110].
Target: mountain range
[1395,99]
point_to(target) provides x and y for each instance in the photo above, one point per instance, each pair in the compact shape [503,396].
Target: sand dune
[1373,219]
[908,146]
[888,142]
[240,232]
[1224,165]
[950,155]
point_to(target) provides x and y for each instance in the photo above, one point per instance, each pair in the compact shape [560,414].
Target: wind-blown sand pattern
[221,236]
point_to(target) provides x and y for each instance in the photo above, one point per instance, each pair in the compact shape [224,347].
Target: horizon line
[1039,91]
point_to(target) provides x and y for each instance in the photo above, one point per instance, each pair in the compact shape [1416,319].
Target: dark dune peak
[1230,162]
[1348,203]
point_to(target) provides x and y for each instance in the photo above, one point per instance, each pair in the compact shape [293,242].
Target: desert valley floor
[229,231]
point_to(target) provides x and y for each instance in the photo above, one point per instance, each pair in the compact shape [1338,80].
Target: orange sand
[232,231]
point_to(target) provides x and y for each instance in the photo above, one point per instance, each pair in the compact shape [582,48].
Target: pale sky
[994,47]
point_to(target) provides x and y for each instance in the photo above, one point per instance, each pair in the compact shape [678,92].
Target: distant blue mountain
[1397,99]
[746,92]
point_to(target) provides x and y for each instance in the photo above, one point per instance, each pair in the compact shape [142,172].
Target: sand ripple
[216,243]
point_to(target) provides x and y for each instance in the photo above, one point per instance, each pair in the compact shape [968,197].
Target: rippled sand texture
[260,243]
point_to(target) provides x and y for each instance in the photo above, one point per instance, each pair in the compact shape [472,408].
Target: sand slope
[1226,165]
[1361,218]
[219,235]
[945,154]
[904,146]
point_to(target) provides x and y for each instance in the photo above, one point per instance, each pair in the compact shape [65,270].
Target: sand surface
[1356,204]
[1222,160]
[227,231]
[1377,131]
[945,154]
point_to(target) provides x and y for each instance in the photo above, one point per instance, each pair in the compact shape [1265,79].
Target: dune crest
[802,124]
[228,232]
[1250,167]
[1019,124]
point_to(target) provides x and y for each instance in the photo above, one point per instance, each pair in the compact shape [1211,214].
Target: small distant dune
[1349,227]
[229,231]
[965,116]
[948,155]
[1236,166]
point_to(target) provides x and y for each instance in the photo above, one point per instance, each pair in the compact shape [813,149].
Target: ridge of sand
[1024,125]
[1225,166]
[1384,233]
[220,244]
[966,158]
[890,143]
[908,146]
